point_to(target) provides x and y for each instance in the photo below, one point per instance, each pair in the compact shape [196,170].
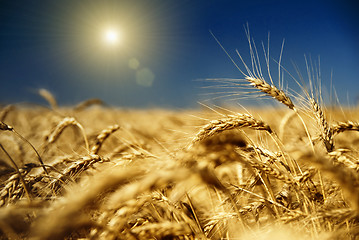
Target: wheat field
[105,173]
[96,172]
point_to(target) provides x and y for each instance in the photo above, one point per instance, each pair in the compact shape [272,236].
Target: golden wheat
[68,121]
[5,111]
[325,130]
[102,137]
[190,193]
[49,97]
[228,123]
[271,90]
[345,126]
[83,105]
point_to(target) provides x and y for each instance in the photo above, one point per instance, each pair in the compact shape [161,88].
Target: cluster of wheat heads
[295,164]
[102,173]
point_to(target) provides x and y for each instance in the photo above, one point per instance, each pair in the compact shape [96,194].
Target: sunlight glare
[112,36]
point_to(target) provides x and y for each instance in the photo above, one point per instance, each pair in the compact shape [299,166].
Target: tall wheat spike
[255,78]
[325,130]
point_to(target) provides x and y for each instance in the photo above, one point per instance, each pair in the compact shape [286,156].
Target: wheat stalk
[284,122]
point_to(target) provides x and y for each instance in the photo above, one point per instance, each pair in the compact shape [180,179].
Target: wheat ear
[345,126]
[74,170]
[270,90]
[49,97]
[5,111]
[262,85]
[102,137]
[62,125]
[270,171]
[87,103]
[338,156]
[280,96]
[228,123]
[326,131]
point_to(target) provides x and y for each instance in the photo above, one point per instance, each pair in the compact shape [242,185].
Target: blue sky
[167,47]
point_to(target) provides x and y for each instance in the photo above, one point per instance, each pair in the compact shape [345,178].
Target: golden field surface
[94,172]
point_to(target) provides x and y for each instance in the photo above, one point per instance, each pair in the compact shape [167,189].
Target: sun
[112,36]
